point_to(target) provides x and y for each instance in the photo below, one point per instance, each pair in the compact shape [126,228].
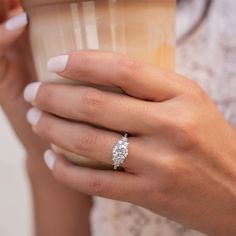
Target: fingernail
[57,64]
[33,116]
[16,22]
[49,158]
[31,91]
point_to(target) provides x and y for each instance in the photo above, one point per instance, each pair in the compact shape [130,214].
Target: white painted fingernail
[31,91]
[57,64]
[49,158]
[33,116]
[16,22]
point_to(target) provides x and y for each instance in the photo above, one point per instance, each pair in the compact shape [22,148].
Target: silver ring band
[120,152]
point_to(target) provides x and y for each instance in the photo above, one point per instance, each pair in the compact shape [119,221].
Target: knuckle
[187,132]
[154,120]
[85,142]
[195,92]
[95,186]
[128,69]
[186,125]
[183,125]
[201,96]
[92,97]
[172,170]
[91,101]
[172,165]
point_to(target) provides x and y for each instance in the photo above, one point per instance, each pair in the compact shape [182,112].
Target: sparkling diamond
[120,152]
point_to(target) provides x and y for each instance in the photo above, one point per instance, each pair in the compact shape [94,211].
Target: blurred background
[15,202]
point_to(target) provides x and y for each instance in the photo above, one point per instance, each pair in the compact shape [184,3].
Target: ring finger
[82,139]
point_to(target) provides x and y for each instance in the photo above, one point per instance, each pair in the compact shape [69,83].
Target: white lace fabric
[209,58]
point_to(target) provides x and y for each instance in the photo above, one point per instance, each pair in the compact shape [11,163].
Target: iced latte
[143,29]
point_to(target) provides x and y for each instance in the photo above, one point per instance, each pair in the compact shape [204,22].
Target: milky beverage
[143,29]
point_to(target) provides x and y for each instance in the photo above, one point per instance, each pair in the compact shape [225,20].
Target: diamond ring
[120,152]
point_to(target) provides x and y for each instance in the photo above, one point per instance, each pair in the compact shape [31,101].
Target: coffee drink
[143,29]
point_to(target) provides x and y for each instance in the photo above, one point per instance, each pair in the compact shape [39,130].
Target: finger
[110,110]
[104,183]
[15,3]
[82,139]
[11,30]
[7,5]
[135,78]
[3,10]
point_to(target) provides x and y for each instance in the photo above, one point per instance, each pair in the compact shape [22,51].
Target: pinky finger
[104,183]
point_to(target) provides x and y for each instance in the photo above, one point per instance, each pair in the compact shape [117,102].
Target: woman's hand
[182,153]
[58,210]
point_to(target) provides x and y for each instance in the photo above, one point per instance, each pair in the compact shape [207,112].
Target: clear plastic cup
[143,29]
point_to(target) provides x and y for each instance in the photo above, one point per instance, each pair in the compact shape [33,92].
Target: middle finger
[113,111]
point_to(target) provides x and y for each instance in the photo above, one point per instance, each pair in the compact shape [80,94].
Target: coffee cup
[143,29]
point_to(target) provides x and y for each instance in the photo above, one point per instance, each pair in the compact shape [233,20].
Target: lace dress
[208,57]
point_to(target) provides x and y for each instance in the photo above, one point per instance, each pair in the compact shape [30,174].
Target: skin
[58,210]
[182,152]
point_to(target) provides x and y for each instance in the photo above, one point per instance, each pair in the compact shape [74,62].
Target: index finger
[137,79]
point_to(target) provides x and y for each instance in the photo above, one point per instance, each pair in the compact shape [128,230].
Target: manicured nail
[57,64]
[49,158]
[31,91]
[16,22]
[33,116]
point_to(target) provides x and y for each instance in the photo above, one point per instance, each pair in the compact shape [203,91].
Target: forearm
[58,210]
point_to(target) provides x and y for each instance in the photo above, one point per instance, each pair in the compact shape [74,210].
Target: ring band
[120,151]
